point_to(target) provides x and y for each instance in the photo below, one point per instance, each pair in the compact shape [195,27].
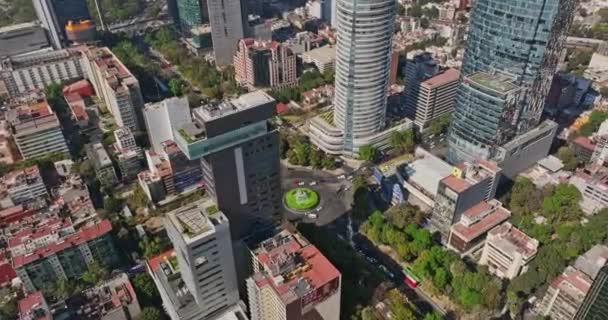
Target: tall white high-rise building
[226,20]
[200,234]
[364,37]
[164,116]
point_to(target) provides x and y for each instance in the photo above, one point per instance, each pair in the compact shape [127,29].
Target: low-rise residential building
[547,171]
[264,64]
[292,280]
[116,86]
[68,257]
[592,182]
[592,261]
[600,138]
[320,96]
[23,185]
[35,71]
[324,58]
[169,173]
[508,251]
[36,129]
[75,95]
[73,195]
[30,238]
[583,148]
[468,235]
[34,307]
[565,295]
[466,186]
[104,170]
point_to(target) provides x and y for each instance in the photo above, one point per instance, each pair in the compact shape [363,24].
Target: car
[319,208]
[347,188]
[312,216]
[341,177]
[313,183]
[350,177]
[296,181]
[371,260]
[302,183]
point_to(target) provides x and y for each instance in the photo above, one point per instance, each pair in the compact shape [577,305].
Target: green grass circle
[292,201]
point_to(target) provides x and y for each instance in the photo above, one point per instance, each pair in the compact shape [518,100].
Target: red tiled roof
[81,236]
[584,142]
[281,107]
[154,262]
[482,226]
[30,302]
[7,273]
[576,278]
[449,75]
[456,184]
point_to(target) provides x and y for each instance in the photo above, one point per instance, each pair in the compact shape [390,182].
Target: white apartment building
[508,251]
[432,98]
[200,235]
[163,117]
[323,58]
[36,130]
[116,87]
[23,185]
[25,73]
[565,295]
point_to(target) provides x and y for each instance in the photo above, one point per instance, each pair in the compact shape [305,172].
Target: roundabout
[301,199]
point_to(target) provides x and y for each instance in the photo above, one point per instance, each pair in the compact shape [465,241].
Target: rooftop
[426,171]
[323,54]
[511,240]
[572,279]
[33,306]
[98,154]
[292,266]
[20,177]
[246,101]
[592,261]
[467,174]
[496,82]
[197,219]
[480,218]
[81,236]
[584,142]
[551,163]
[114,72]
[445,77]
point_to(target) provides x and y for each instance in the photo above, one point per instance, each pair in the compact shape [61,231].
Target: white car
[312,216]
[314,183]
[319,208]
[302,183]
[341,177]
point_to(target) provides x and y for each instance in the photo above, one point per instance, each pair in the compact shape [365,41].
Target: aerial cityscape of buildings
[313,159]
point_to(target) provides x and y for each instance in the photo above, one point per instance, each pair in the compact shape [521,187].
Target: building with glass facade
[522,38]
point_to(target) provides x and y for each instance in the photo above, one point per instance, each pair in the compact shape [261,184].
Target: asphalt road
[333,205]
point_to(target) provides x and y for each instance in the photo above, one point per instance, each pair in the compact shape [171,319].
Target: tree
[368,314]
[402,141]
[433,316]
[604,92]
[302,152]
[593,124]
[112,205]
[316,158]
[151,313]
[404,215]
[425,23]
[84,169]
[568,157]
[176,87]
[145,287]
[95,274]
[153,246]
[138,199]
[328,162]
[440,124]
[563,203]
[8,309]
[367,153]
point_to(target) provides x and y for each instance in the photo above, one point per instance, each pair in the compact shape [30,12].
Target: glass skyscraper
[519,38]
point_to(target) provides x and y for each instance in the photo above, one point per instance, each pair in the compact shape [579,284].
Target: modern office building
[68,257]
[163,117]
[55,14]
[523,39]
[239,152]
[595,304]
[36,130]
[23,38]
[565,295]
[226,20]
[431,98]
[508,251]
[115,86]
[364,33]
[37,70]
[192,13]
[207,284]
[102,164]
[469,184]
[292,280]
[600,152]
[264,64]
[489,107]
[23,186]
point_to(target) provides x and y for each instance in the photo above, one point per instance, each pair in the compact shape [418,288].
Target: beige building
[264,64]
[433,97]
[292,280]
[565,295]
[116,87]
[508,251]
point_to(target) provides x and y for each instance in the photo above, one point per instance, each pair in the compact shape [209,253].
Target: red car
[296,181]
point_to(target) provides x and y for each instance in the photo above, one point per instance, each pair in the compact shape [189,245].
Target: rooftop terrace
[197,218]
[496,82]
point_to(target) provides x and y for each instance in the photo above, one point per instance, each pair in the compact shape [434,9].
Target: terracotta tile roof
[30,302]
[584,142]
[456,184]
[155,261]
[483,225]
[450,75]
[7,273]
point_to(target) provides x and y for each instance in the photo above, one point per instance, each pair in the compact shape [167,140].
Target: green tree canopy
[367,152]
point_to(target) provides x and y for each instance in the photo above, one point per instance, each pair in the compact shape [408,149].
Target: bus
[410,278]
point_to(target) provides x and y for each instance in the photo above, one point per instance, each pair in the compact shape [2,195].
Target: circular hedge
[301,199]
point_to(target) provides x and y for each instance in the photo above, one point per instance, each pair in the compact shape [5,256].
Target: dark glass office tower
[595,305]
[55,14]
[521,38]
[239,152]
